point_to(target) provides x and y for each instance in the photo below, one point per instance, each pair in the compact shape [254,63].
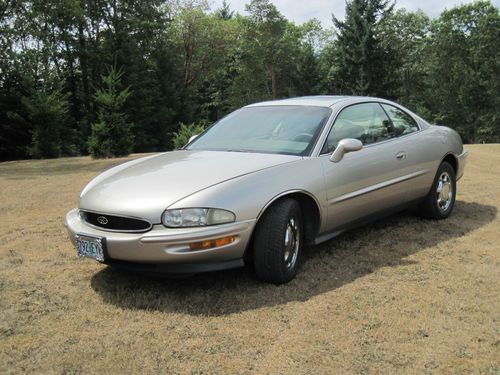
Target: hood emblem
[102,220]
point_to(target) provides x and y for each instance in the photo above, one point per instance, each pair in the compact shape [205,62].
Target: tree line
[110,77]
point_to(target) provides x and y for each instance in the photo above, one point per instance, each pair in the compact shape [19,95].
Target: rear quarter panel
[427,149]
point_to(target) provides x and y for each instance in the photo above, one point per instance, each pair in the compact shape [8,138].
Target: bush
[186,131]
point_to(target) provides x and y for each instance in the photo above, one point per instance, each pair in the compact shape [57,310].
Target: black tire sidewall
[268,242]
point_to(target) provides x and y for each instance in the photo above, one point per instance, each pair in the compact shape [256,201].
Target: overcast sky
[301,11]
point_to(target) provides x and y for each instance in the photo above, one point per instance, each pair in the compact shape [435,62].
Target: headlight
[196,217]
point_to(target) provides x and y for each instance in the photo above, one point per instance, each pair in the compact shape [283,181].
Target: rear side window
[402,121]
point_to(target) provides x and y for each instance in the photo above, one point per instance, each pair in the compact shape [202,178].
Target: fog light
[209,244]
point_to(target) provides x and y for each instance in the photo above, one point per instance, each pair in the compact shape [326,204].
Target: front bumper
[168,249]
[462,161]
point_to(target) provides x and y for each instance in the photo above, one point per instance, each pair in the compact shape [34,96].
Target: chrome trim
[291,243]
[444,192]
[114,230]
[378,186]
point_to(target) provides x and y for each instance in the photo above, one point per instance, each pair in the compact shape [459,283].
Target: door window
[366,122]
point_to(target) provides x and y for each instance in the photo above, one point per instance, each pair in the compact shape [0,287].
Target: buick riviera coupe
[265,180]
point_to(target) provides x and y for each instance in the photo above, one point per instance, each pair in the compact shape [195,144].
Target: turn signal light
[209,244]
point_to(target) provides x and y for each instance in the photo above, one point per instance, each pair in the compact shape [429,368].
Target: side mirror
[344,146]
[193,137]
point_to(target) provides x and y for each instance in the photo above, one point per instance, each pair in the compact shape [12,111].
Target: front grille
[116,223]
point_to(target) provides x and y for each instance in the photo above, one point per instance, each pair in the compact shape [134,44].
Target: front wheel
[441,198]
[278,242]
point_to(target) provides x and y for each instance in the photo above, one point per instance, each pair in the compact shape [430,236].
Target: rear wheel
[441,198]
[278,242]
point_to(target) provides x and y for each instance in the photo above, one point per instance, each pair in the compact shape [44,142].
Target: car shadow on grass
[352,255]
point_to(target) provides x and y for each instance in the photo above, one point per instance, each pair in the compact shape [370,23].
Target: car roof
[315,101]
[327,101]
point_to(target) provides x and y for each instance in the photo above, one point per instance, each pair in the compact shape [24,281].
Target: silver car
[267,179]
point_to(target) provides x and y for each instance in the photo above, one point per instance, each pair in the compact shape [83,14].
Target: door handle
[401,155]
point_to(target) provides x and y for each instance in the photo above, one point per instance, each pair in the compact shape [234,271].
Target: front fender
[247,196]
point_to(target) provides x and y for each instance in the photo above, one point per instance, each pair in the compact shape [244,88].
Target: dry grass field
[403,295]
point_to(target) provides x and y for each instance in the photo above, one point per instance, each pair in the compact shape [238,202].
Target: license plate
[90,247]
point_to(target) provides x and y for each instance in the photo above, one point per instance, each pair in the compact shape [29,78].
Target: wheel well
[310,213]
[310,218]
[450,158]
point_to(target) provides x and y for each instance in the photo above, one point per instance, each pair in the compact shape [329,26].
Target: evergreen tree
[187,64]
[111,134]
[225,12]
[47,112]
[360,59]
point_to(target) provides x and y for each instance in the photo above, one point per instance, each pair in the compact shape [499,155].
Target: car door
[406,127]
[368,181]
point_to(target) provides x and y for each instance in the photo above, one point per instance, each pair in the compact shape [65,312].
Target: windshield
[288,130]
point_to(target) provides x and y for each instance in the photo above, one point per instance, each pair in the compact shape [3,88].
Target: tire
[278,242]
[441,198]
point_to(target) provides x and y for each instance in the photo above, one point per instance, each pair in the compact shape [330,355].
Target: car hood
[144,188]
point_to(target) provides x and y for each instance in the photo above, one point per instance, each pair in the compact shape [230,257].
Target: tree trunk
[82,50]
[274,84]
